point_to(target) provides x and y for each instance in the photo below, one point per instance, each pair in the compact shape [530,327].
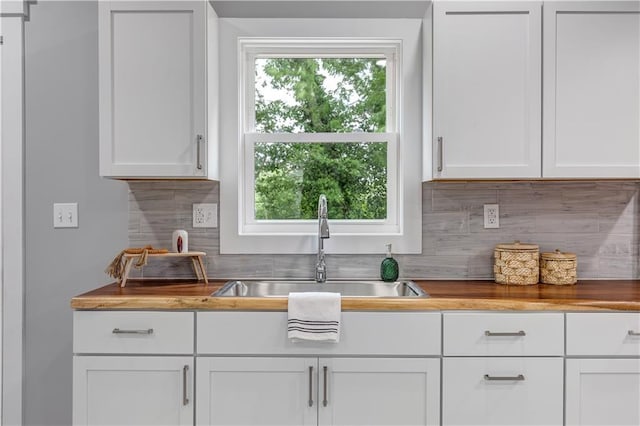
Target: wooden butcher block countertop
[621,295]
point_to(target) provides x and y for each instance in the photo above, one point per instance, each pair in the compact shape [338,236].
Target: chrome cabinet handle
[185,399]
[198,160]
[325,401]
[512,334]
[440,155]
[634,333]
[118,331]
[517,378]
[310,386]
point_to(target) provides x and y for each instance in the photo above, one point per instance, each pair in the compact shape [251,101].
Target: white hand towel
[314,316]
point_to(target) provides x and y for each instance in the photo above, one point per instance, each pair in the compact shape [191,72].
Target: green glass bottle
[389,269]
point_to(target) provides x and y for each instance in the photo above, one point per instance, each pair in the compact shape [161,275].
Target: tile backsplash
[597,220]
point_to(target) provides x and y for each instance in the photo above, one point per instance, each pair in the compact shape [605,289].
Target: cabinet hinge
[1,40]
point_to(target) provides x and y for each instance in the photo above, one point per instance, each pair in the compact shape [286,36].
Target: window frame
[251,49]
[407,237]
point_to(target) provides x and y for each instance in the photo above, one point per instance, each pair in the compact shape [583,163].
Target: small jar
[558,268]
[180,241]
[516,263]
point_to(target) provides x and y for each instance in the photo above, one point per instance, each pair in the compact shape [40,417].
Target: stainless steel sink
[347,288]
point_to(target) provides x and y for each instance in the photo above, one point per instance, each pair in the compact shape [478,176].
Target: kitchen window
[320,115]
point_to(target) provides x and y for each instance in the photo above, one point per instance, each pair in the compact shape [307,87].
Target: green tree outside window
[313,95]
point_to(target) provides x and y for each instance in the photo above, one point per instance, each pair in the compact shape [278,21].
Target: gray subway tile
[597,220]
[566,222]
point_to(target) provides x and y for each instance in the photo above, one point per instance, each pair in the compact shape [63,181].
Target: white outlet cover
[65,215]
[491,216]
[205,215]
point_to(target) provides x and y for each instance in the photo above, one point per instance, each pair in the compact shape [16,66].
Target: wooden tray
[196,261]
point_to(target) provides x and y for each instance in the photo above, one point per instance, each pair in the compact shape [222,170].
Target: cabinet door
[603,392]
[592,89]
[256,391]
[487,89]
[112,390]
[379,391]
[502,391]
[152,86]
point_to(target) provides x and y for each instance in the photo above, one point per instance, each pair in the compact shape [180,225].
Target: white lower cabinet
[133,368]
[603,392]
[502,368]
[404,368]
[603,369]
[317,391]
[379,391]
[384,371]
[132,390]
[256,391]
[502,391]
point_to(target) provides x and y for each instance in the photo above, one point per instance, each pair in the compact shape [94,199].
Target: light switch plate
[65,215]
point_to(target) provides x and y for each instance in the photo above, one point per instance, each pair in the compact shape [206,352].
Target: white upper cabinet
[591,89]
[153,84]
[487,89]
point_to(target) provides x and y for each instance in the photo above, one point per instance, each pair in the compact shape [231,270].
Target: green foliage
[290,176]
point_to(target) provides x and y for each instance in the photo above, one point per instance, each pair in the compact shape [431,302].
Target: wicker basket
[558,268]
[516,263]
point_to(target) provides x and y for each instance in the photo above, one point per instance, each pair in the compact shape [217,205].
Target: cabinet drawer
[603,334]
[502,391]
[133,332]
[503,334]
[371,333]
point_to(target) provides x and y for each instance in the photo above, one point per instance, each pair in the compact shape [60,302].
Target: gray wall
[596,220]
[61,84]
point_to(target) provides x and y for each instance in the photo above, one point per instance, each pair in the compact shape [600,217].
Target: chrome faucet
[323,233]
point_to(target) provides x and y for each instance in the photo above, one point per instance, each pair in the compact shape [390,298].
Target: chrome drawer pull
[511,334]
[517,378]
[325,401]
[198,161]
[440,155]
[118,331]
[185,399]
[634,333]
[310,386]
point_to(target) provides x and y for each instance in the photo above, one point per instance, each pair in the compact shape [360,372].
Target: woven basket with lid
[558,268]
[516,263]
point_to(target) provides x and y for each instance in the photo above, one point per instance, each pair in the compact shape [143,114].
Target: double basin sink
[347,288]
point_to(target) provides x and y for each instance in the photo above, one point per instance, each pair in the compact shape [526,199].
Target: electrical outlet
[205,215]
[65,215]
[491,216]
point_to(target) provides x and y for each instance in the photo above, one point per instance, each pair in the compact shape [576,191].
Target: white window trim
[251,49]
[237,235]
